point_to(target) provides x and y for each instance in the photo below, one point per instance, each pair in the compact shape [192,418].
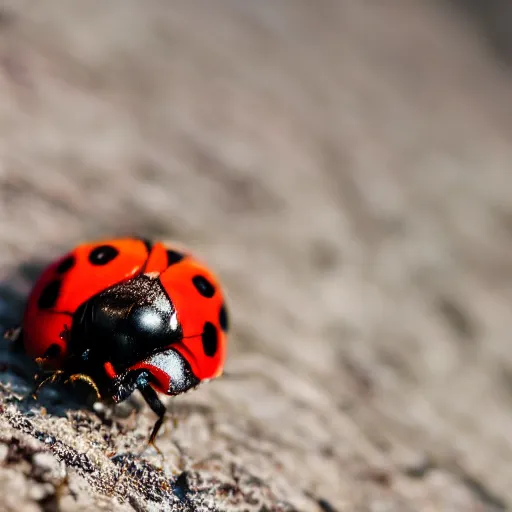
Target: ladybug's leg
[127,384]
[85,378]
[54,377]
[157,407]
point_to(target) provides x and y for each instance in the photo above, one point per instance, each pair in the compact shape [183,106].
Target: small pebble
[40,491]
[48,468]
[46,461]
[98,407]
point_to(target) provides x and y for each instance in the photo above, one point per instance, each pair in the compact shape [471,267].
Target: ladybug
[128,314]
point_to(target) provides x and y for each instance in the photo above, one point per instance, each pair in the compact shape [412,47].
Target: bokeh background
[345,168]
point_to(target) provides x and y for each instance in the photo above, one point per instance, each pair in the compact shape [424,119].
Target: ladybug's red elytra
[128,314]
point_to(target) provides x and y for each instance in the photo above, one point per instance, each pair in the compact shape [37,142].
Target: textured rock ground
[345,168]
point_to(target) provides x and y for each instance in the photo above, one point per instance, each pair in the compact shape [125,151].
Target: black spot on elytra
[52,351]
[174,257]
[49,295]
[224,318]
[66,264]
[203,286]
[103,254]
[209,339]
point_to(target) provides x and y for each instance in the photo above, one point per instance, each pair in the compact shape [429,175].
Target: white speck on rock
[46,462]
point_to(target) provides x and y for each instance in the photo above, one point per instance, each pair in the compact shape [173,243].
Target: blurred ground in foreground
[344,166]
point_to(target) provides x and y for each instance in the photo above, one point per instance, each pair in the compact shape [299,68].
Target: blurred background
[344,167]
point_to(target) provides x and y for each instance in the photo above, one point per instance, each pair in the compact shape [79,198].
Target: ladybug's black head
[124,324]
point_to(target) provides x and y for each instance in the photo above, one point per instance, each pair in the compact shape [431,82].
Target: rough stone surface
[345,167]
